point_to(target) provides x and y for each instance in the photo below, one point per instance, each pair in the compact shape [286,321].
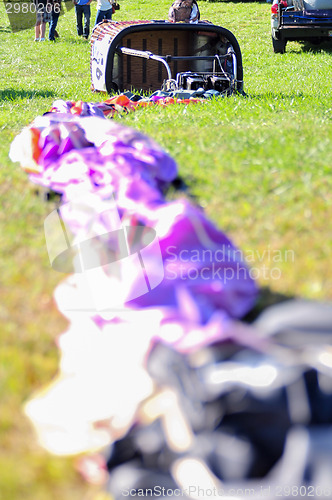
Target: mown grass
[260,166]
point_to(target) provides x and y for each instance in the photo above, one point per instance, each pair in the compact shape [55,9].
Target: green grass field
[260,166]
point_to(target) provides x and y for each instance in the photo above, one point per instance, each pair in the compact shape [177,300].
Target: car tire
[279,46]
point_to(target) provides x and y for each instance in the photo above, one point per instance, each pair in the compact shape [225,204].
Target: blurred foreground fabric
[160,381]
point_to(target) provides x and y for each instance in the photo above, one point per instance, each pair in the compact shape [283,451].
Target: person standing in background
[184,11]
[55,10]
[40,25]
[82,8]
[104,10]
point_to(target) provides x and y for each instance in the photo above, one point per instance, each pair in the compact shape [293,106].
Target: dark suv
[300,20]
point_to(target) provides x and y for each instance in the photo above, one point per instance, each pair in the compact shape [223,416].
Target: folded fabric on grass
[122,234]
[119,152]
[231,421]
[128,102]
[101,381]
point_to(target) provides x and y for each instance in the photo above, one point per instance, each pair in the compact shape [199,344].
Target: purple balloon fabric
[112,182]
[80,156]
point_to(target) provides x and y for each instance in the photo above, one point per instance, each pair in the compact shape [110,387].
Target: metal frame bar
[146,55]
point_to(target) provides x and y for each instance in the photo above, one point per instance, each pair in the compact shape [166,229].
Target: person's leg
[53,24]
[37,32]
[99,16]
[108,14]
[79,18]
[87,15]
[37,26]
[42,31]
[45,17]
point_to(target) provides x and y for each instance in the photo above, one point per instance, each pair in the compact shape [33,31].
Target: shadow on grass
[300,46]
[78,40]
[5,30]
[12,94]
[317,47]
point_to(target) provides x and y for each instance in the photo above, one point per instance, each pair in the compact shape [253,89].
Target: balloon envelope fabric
[251,420]
[177,396]
[114,215]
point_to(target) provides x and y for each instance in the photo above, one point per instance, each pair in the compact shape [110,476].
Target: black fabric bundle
[259,419]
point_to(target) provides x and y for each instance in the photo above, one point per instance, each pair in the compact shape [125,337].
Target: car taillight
[274,8]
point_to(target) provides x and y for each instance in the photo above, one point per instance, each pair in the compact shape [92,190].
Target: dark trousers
[80,11]
[103,14]
[53,24]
